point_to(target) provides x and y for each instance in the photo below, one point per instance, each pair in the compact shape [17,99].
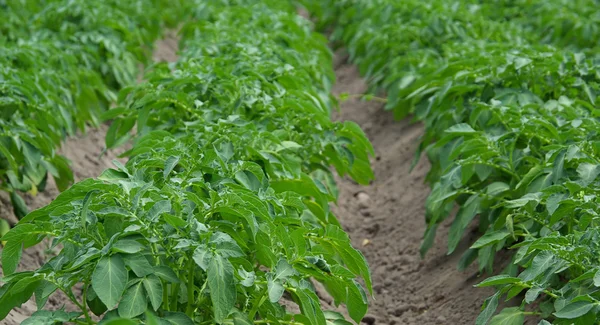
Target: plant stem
[174,296]
[190,289]
[254,309]
[166,305]
[85,309]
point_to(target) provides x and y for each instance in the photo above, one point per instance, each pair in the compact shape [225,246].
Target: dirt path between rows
[386,222]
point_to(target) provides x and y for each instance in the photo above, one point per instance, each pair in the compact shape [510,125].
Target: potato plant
[61,65]
[221,214]
[509,102]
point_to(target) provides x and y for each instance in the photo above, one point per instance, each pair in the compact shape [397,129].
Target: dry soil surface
[385,220]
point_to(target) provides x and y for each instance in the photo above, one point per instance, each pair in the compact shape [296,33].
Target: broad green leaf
[428,239]
[225,245]
[139,264]
[509,316]
[134,302]
[222,287]
[11,256]
[588,173]
[157,209]
[202,256]
[275,289]
[497,280]
[462,220]
[127,246]
[529,197]
[497,188]
[154,290]
[541,262]
[177,318]
[596,278]
[532,294]
[357,302]
[575,309]
[460,129]
[171,162]
[240,318]
[120,321]
[491,238]
[43,292]
[166,274]
[109,279]
[22,232]
[310,306]
[19,206]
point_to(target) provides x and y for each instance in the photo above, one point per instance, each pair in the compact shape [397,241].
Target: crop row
[61,65]
[509,102]
[221,214]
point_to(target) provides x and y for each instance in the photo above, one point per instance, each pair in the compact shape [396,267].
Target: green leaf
[532,294]
[275,289]
[177,318]
[112,174]
[171,162]
[109,279]
[139,264]
[22,233]
[588,173]
[310,306]
[120,321]
[428,239]
[463,218]
[357,302]
[134,302]
[491,238]
[166,274]
[497,188]
[157,209]
[225,245]
[509,316]
[9,157]
[529,197]
[43,292]
[541,262]
[240,318]
[596,277]
[221,283]
[521,62]
[11,256]
[94,303]
[19,205]
[127,246]
[460,129]
[575,309]
[154,289]
[497,280]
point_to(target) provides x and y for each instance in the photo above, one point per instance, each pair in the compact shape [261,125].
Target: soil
[385,220]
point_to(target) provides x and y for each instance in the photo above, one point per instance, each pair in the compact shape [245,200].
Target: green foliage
[508,94]
[61,63]
[222,210]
